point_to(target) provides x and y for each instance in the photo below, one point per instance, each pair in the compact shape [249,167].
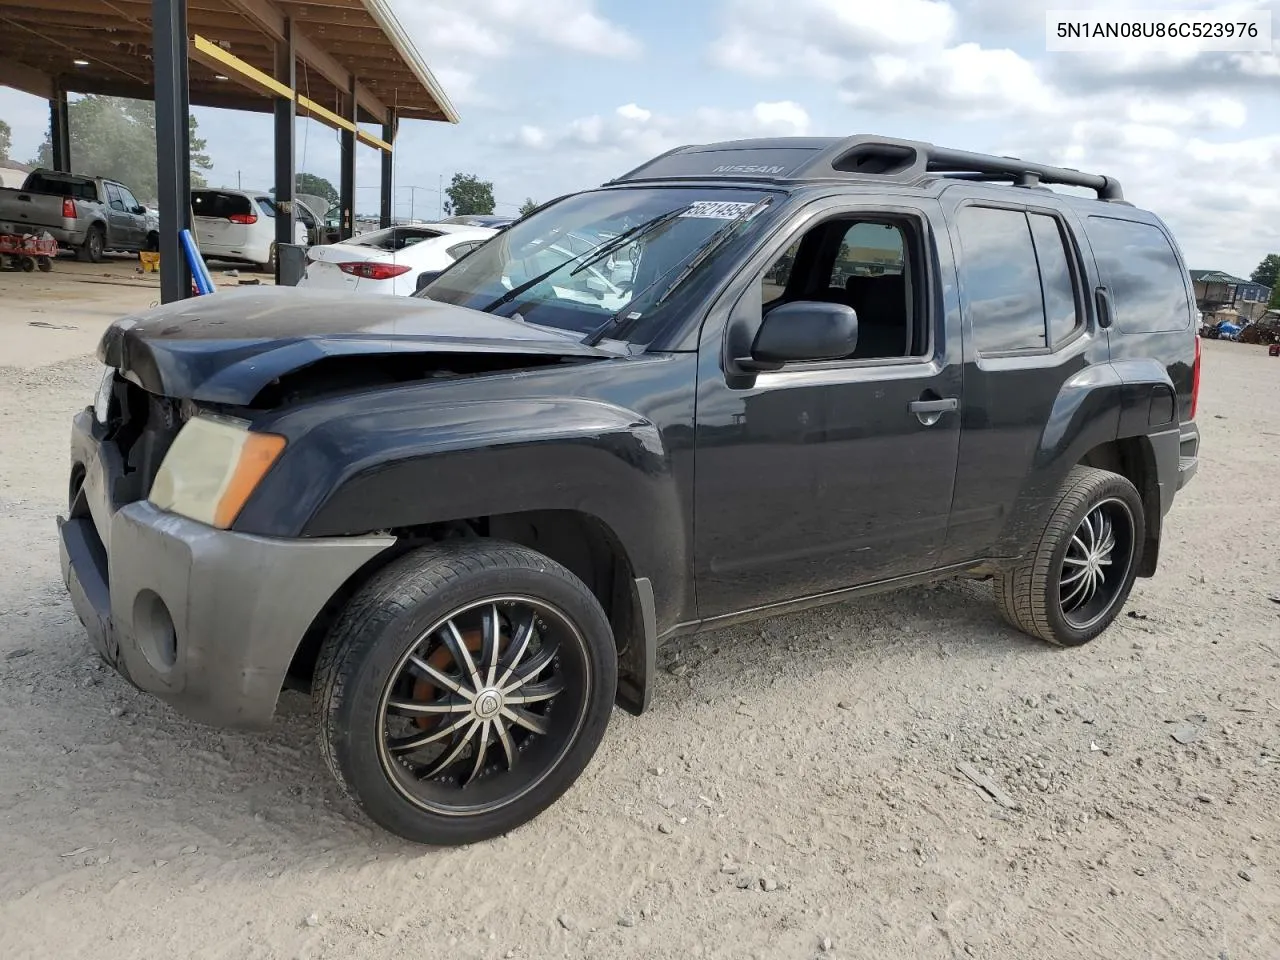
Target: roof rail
[858,157]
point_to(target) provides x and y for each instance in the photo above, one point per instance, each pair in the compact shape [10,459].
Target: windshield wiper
[627,236]
[712,244]
[599,251]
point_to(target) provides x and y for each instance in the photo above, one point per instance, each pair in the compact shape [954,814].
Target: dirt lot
[793,792]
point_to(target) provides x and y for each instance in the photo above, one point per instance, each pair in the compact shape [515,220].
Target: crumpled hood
[227,346]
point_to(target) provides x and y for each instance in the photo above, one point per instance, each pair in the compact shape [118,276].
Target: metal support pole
[347,189]
[173,142]
[60,132]
[286,111]
[386,213]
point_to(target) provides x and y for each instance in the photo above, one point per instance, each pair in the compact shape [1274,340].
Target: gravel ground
[794,792]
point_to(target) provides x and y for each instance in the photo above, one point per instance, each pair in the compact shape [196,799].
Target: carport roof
[104,46]
[1214,276]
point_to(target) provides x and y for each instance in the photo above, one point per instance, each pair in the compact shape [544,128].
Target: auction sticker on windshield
[717,209]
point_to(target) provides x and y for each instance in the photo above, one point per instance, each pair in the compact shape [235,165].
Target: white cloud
[820,38]
[965,79]
[598,147]
[928,55]
[786,114]
[630,111]
[1155,120]
[530,136]
[462,39]
[497,28]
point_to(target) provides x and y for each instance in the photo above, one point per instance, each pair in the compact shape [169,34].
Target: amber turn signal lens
[259,452]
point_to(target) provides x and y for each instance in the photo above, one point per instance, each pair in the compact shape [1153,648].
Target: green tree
[316,186]
[6,140]
[116,138]
[468,195]
[528,206]
[1268,271]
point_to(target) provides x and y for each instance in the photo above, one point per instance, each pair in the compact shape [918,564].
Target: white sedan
[389,261]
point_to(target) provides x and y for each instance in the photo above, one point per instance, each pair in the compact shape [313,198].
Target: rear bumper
[206,619]
[1188,454]
[66,236]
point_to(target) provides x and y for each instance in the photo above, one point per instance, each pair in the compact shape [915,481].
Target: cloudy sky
[560,95]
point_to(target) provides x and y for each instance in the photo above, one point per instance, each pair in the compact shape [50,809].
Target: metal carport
[359,65]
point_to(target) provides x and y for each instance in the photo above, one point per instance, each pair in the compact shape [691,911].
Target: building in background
[13,174]
[1221,296]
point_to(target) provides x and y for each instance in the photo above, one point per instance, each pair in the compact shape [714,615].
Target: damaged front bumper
[206,619]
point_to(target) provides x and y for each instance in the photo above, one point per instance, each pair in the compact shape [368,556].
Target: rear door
[1027,332]
[222,221]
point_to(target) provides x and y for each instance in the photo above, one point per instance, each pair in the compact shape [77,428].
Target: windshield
[577,263]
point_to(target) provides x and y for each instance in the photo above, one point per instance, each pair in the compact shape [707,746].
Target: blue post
[199,271]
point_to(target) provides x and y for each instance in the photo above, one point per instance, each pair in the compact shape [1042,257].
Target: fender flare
[413,464]
[1121,400]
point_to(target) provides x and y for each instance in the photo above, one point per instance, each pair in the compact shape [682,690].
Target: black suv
[743,379]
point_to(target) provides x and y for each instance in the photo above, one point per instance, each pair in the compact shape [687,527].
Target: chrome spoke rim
[1096,563]
[483,698]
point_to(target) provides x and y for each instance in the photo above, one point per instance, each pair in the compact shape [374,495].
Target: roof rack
[860,157]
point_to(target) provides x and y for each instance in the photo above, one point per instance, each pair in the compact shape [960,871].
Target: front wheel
[463,690]
[1072,586]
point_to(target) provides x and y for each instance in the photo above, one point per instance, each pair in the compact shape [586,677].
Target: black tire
[28,264]
[270,265]
[44,263]
[1031,594]
[366,658]
[94,246]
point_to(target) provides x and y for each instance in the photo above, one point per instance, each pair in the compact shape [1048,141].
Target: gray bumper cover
[239,604]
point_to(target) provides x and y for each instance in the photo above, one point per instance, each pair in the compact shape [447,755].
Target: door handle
[1103,298]
[929,412]
[935,406]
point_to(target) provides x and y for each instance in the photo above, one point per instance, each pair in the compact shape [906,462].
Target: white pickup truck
[87,214]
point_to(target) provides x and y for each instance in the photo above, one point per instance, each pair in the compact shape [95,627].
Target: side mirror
[140,210]
[426,277]
[804,330]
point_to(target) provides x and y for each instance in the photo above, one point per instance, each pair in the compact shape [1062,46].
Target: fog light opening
[153,626]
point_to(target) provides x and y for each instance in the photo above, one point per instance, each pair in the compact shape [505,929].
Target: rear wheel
[464,689]
[94,246]
[1073,585]
[270,265]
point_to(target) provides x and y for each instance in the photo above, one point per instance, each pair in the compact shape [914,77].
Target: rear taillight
[1195,380]
[373,271]
[68,208]
[243,218]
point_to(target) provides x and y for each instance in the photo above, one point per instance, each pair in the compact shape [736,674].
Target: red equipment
[27,252]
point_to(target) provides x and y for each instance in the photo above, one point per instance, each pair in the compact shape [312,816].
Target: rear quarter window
[1140,269]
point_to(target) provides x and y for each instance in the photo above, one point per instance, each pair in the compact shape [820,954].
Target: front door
[822,476]
[137,221]
[120,219]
